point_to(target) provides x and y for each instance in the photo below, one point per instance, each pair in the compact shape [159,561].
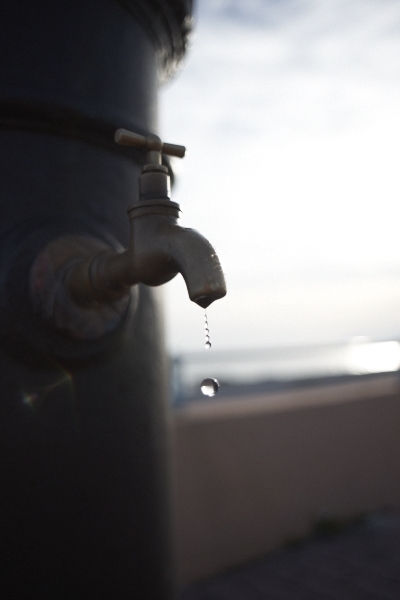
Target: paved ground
[362,562]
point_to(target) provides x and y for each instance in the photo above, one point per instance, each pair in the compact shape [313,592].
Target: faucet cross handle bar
[150,143]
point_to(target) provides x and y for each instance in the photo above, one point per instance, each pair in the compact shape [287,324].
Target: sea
[250,371]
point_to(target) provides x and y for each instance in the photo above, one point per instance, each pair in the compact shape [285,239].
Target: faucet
[83,286]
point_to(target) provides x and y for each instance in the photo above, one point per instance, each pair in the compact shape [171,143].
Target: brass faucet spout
[159,250]
[198,263]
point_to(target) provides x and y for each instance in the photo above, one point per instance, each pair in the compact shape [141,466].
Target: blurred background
[290,110]
[290,113]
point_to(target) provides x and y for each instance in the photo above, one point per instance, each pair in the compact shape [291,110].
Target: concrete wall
[255,473]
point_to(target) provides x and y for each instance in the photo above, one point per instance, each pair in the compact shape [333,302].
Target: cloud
[290,111]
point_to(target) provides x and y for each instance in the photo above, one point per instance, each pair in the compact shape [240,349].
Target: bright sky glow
[291,114]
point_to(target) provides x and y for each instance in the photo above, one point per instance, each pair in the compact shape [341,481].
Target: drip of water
[209,387]
[206,332]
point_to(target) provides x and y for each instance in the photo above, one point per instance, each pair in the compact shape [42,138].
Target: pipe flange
[154,207]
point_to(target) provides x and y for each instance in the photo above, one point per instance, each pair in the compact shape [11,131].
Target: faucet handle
[150,143]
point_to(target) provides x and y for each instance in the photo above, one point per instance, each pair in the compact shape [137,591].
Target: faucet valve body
[155,194]
[154,182]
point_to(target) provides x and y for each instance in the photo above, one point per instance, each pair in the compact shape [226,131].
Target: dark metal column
[83,439]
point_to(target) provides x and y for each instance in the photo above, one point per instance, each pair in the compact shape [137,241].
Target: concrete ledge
[255,473]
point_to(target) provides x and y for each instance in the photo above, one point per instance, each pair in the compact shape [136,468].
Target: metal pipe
[83,438]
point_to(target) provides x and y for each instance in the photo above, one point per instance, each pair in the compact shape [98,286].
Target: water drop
[206,332]
[209,386]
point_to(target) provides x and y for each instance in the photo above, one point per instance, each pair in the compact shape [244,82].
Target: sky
[290,111]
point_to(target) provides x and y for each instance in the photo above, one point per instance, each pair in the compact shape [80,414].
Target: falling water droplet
[209,386]
[206,332]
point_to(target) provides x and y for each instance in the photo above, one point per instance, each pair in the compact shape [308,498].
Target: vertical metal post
[83,439]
